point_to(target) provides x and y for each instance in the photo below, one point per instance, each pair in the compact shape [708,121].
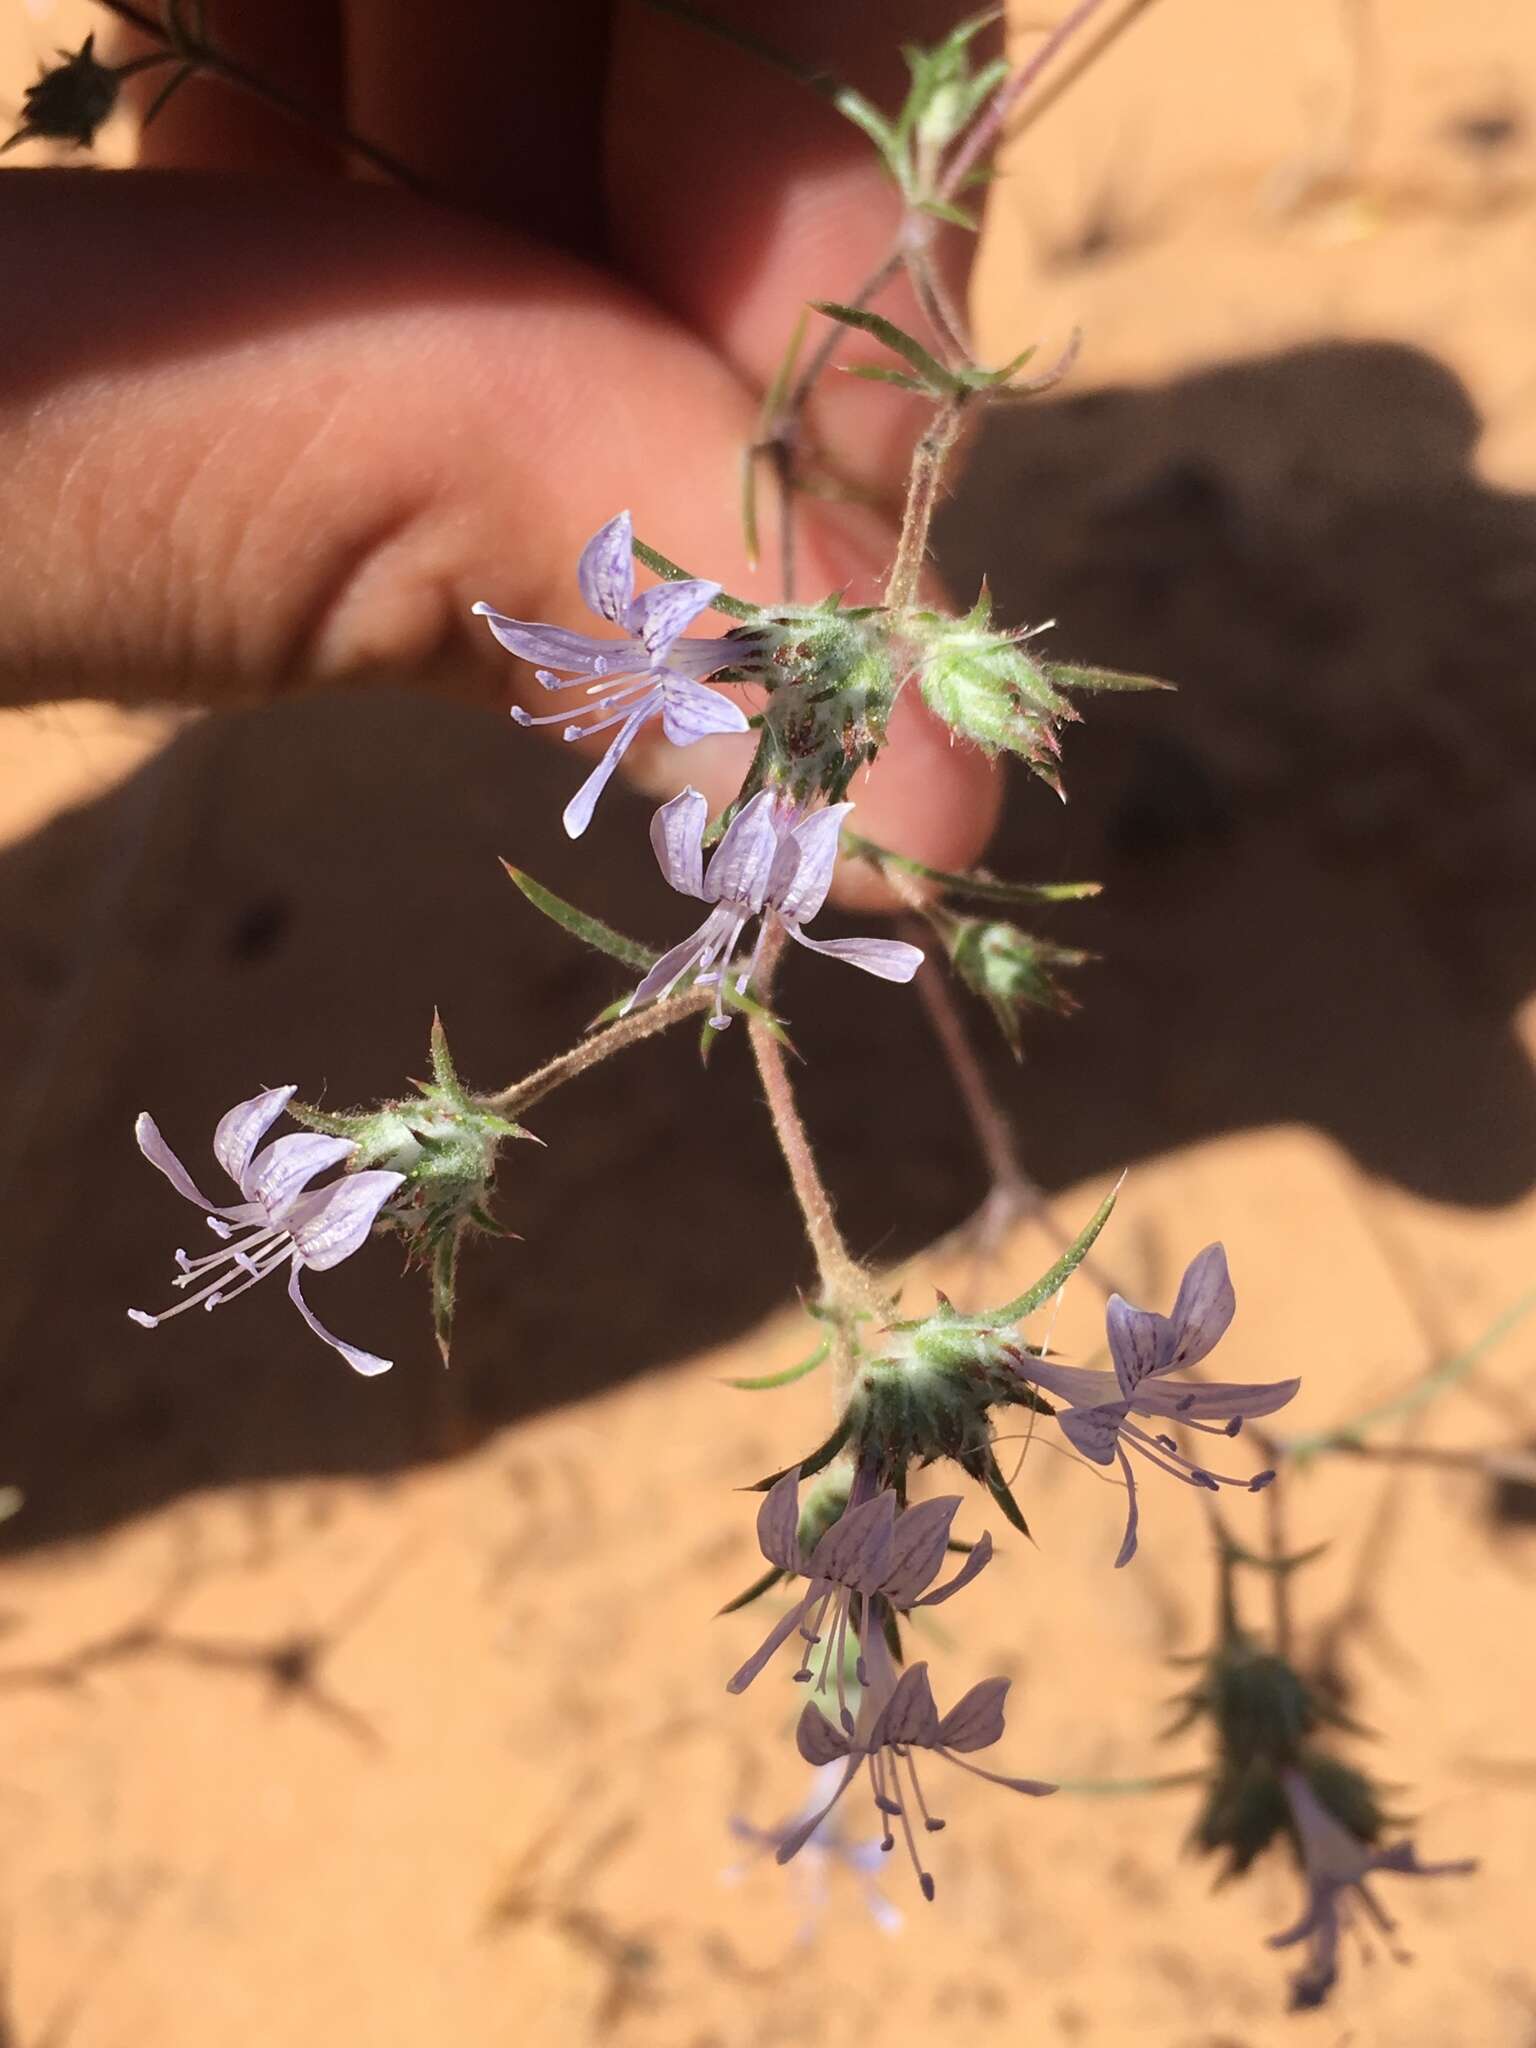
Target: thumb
[259,437]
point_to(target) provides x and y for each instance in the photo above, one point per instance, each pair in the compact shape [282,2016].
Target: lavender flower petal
[279,1175]
[1132,1511]
[776,1637]
[1080,1384]
[891,959]
[917,1549]
[778,1524]
[797,1838]
[241,1129]
[816,841]
[329,1225]
[1218,1400]
[819,1742]
[976,1720]
[665,611]
[909,1715]
[1094,1431]
[691,712]
[856,1550]
[1140,1342]
[606,571]
[577,815]
[158,1153]
[553,647]
[979,1558]
[1204,1309]
[672,966]
[740,865]
[361,1361]
[677,839]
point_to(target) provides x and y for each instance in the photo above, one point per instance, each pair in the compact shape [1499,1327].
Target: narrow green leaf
[788,1376]
[895,338]
[992,1478]
[663,566]
[755,1591]
[1032,1298]
[877,373]
[590,930]
[1071,675]
[749,535]
[975,884]
[988,380]
[855,108]
[946,210]
[808,1467]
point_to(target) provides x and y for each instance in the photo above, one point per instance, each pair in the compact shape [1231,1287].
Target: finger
[737,193]
[211,124]
[321,424]
[496,107]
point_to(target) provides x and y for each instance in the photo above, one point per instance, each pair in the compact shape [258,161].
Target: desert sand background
[391,1712]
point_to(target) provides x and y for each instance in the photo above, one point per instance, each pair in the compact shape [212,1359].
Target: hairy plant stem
[848,1294]
[200,56]
[933,450]
[630,1030]
[784,433]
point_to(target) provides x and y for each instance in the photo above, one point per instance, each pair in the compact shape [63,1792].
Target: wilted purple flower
[773,861]
[1146,1348]
[871,1550]
[284,1220]
[1336,1863]
[651,672]
[909,1720]
[827,1847]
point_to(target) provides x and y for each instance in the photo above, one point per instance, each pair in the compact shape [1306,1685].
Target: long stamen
[274,1261]
[923,1877]
[1163,1452]
[933,1826]
[237,1251]
[283,1250]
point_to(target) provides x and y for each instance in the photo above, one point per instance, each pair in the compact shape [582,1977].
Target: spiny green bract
[1009,969]
[446,1143]
[985,687]
[70,102]
[831,681]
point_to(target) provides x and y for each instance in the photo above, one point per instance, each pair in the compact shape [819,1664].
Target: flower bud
[1010,970]
[985,687]
[70,102]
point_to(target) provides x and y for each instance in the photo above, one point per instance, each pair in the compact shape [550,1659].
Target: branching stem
[848,1294]
[929,457]
[522,1095]
[205,56]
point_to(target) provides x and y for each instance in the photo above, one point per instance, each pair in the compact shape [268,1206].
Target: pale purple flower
[773,862]
[1335,1865]
[651,672]
[280,1219]
[908,1721]
[1146,1348]
[872,1550]
[825,1849]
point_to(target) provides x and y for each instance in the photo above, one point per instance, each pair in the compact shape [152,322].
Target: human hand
[270,427]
